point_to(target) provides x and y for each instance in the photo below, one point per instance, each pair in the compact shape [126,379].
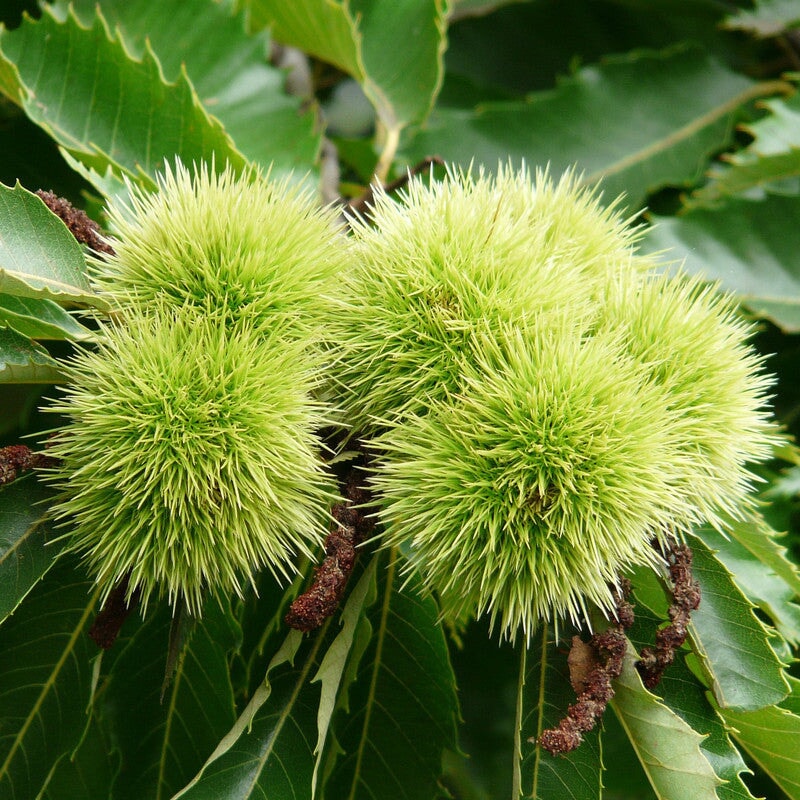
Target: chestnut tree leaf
[167,740]
[24,361]
[733,644]
[749,246]
[682,692]
[226,67]
[339,665]
[525,46]
[545,693]
[101,105]
[772,156]
[27,549]
[39,257]
[668,748]
[278,723]
[762,586]
[402,706]
[760,539]
[45,678]
[269,749]
[634,123]
[394,48]
[40,318]
[770,736]
[88,771]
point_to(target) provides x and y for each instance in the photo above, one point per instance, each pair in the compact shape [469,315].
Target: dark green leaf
[24,361]
[489,711]
[121,113]
[45,679]
[392,47]
[340,663]
[164,743]
[26,547]
[39,257]
[403,706]
[30,156]
[269,751]
[87,772]
[19,404]
[749,246]
[545,693]
[733,645]
[668,748]
[526,46]
[624,778]
[661,116]
[277,727]
[226,67]
[261,617]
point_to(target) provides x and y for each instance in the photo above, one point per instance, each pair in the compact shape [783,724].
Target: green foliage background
[689,107]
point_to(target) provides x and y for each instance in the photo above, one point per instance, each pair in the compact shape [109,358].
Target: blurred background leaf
[634,123]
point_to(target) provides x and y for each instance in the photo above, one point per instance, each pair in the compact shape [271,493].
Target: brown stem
[602,661]
[685,599]
[115,611]
[321,599]
[361,205]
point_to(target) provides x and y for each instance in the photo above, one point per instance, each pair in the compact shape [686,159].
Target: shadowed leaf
[661,116]
[26,552]
[544,696]
[45,679]
[166,741]
[403,704]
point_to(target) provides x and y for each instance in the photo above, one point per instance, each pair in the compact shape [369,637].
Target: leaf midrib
[687,131]
[48,684]
[375,670]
